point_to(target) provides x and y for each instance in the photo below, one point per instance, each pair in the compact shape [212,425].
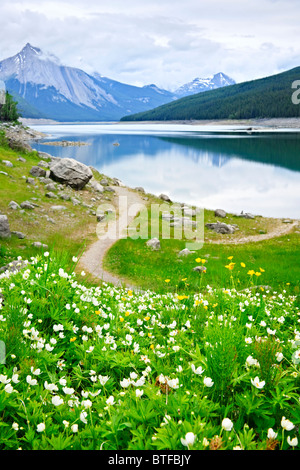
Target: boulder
[246,215]
[19,235]
[7,163]
[221,227]
[37,171]
[220,213]
[27,205]
[13,205]
[70,172]
[96,186]
[164,197]
[4,227]
[30,180]
[51,195]
[185,252]
[154,243]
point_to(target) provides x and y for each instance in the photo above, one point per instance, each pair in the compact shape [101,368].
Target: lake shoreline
[268,123]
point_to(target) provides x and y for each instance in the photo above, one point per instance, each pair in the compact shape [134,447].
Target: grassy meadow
[188,361]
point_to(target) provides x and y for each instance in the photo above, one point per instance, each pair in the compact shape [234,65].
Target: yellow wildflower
[243,265]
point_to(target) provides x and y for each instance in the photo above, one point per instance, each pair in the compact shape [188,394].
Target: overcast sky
[166,42]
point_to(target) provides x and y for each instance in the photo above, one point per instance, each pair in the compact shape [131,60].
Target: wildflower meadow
[87,367]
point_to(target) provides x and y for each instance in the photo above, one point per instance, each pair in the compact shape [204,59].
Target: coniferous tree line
[269,97]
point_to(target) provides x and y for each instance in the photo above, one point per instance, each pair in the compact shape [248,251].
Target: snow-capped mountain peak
[199,85]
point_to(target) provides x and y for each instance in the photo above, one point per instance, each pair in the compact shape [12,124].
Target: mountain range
[46,89]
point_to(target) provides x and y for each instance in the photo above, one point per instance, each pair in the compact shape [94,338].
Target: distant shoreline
[268,123]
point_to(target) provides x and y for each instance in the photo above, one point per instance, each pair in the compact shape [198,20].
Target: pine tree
[9,111]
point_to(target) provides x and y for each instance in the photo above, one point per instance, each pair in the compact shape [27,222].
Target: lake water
[212,167]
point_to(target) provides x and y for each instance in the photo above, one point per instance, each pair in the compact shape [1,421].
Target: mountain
[44,88]
[269,97]
[199,85]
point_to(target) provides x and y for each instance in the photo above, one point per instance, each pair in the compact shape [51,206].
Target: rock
[21,159]
[104,182]
[7,163]
[14,266]
[75,201]
[27,205]
[140,189]
[64,196]
[30,180]
[96,186]
[190,212]
[3,173]
[154,243]
[51,195]
[70,172]
[39,245]
[58,208]
[4,227]
[246,215]
[287,221]
[185,252]
[37,171]
[164,197]
[43,164]
[19,235]
[220,213]
[13,205]
[51,187]
[221,227]
[201,269]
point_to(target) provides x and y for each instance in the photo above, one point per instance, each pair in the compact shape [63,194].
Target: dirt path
[92,259]
[278,232]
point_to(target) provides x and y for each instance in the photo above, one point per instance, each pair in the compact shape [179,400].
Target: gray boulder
[19,235]
[7,163]
[4,227]
[27,205]
[37,171]
[13,205]
[70,172]
[220,213]
[185,252]
[154,244]
[164,197]
[221,227]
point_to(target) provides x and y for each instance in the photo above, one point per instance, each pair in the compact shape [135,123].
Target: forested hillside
[263,98]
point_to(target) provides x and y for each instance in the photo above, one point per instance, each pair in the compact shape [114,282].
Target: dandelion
[167,280]
[243,265]
[188,440]
[227,424]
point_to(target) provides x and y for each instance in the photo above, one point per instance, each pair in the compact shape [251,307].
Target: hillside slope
[262,98]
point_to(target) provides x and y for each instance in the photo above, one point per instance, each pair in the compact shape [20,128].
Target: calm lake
[212,167]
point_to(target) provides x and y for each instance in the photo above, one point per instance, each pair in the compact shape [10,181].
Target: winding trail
[92,258]
[277,232]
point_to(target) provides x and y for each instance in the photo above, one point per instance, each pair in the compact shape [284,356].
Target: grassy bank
[67,231]
[273,262]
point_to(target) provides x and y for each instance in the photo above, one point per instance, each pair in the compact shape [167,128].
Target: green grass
[73,229]
[278,257]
